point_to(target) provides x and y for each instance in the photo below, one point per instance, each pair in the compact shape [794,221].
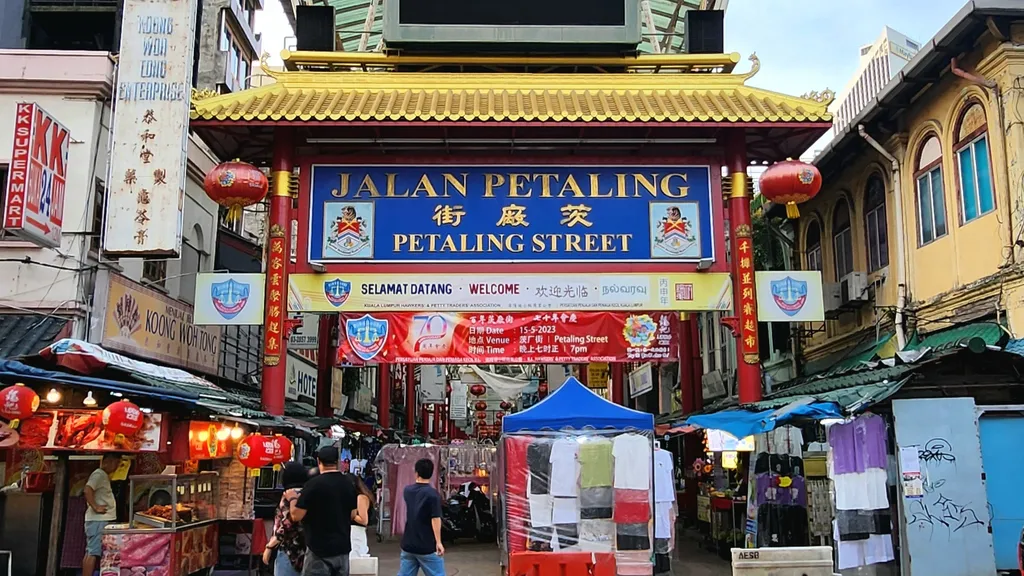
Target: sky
[803,45]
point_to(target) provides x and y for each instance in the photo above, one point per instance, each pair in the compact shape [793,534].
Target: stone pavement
[471,559]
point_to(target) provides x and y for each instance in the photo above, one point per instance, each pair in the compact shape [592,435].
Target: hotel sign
[146,183]
[511,213]
[37,176]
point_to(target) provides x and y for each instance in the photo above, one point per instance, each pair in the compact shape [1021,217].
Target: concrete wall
[969,273]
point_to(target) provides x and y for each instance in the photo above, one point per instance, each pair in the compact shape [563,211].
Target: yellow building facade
[927,233]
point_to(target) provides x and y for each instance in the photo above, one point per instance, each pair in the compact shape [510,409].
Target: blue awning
[575,406]
[14,370]
[741,423]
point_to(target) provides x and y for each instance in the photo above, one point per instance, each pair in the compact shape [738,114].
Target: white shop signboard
[146,183]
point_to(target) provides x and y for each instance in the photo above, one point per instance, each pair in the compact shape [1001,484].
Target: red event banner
[509,338]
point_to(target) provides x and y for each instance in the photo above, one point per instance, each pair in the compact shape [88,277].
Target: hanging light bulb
[89,400]
[53,396]
[223,433]
[237,432]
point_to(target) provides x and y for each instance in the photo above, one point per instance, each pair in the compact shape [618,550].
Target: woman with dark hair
[360,518]
[287,539]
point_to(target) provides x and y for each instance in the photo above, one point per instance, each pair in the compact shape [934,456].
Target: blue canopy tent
[575,406]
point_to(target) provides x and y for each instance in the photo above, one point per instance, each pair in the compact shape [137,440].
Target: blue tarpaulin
[741,423]
[575,406]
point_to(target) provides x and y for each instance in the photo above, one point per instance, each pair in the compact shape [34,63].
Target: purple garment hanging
[768,492]
[858,445]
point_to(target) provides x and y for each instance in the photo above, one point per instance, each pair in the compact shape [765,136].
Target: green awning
[850,400]
[848,359]
[991,333]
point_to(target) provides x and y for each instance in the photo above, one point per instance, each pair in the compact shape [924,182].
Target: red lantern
[790,182]
[505,405]
[17,403]
[235,185]
[499,415]
[256,451]
[481,415]
[283,450]
[478,390]
[122,418]
[480,405]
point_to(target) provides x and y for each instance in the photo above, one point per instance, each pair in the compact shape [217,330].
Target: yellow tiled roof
[589,97]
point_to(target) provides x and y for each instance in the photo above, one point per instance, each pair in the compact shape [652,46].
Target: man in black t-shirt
[325,510]
[421,542]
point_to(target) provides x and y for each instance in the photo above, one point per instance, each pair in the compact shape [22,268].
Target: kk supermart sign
[508,338]
[34,203]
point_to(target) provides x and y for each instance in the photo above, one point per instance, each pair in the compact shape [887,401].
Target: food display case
[172,527]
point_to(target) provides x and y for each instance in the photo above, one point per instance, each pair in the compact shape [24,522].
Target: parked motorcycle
[467,514]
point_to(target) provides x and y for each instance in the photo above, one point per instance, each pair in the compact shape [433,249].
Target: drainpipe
[997,97]
[901,261]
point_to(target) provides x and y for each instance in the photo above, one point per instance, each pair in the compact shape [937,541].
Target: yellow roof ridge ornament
[267,69]
[825,97]
[755,67]
[198,95]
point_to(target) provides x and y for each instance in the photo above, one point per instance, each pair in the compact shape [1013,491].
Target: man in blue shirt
[421,542]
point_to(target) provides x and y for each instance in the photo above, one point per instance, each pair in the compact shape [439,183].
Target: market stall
[578,482]
[395,465]
[722,489]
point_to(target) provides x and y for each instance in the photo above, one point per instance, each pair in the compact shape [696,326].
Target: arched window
[931,201]
[971,149]
[875,224]
[842,239]
[813,245]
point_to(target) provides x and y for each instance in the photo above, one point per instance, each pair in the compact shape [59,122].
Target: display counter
[173,529]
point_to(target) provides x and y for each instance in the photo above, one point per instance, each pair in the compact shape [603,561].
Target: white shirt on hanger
[632,454]
[565,468]
[664,476]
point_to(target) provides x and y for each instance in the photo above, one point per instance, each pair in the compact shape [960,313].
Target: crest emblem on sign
[349,233]
[337,291]
[789,294]
[367,336]
[229,297]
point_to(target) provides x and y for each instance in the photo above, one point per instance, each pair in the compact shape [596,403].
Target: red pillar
[584,373]
[437,421]
[748,372]
[326,355]
[278,248]
[616,392]
[410,398]
[384,395]
[424,421]
[686,381]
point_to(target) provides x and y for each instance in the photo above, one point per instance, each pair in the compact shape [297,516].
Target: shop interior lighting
[236,432]
[146,410]
[204,435]
[53,396]
[115,394]
[223,433]
[89,400]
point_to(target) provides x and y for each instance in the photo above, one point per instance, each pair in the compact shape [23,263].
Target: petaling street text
[513,185]
[512,243]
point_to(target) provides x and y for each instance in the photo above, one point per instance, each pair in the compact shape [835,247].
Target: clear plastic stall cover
[583,490]
[396,464]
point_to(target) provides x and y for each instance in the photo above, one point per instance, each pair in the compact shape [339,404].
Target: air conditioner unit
[832,296]
[854,287]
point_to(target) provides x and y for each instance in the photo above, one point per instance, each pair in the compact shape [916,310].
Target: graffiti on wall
[937,512]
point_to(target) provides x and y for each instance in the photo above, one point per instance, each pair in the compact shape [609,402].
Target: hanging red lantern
[790,182]
[122,418]
[505,405]
[283,450]
[256,451]
[480,405]
[499,415]
[481,415]
[17,403]
[235,185]
[478,390]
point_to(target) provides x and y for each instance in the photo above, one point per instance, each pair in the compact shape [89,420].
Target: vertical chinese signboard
[747,304]
[34,203]
[275,309]
[146,184]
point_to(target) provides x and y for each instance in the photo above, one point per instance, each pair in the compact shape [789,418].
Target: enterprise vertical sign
[146,184]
